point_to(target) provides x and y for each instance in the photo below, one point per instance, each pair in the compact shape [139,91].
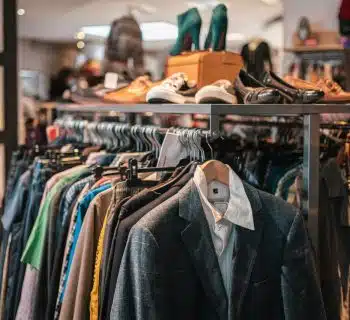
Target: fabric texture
[334,244]
[69,243]
[273,271]
[77,297]
[40,177]
[129,214]
[33,251]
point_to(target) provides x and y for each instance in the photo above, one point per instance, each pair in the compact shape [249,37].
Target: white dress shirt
[224,207]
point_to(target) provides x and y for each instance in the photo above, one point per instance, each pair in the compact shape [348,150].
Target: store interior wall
[42,60]
[322,14]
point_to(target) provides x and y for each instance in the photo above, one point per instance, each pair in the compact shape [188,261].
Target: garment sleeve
[301,291]
[138,291]
[76,299]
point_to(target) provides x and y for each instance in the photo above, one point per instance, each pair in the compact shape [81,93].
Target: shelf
[319,49]
[210,109]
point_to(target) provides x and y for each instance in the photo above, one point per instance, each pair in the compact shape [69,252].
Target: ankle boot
[189,25]
[290,93]
[216,38]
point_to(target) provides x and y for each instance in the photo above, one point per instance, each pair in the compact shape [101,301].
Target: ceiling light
[235,37]
[80,45]
[151,31]
[271,2]
[21,12]
[80,35]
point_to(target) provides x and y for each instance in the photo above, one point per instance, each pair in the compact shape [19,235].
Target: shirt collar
[239,210]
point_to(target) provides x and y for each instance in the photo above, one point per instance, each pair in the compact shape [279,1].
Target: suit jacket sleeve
[138,293]
[302,298]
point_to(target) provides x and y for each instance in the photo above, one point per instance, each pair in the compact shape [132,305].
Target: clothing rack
[311,128]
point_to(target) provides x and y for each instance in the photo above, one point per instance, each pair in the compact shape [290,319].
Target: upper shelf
[318,48]
[211,109]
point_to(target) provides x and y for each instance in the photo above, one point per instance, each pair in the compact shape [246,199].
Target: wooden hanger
[215,170]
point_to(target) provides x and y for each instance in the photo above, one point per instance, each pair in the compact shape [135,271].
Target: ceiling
[59,20]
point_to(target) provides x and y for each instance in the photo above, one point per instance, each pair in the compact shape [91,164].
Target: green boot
[189,26]
[216,39]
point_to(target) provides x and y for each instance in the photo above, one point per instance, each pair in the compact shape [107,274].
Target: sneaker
[175,89]
[221,91]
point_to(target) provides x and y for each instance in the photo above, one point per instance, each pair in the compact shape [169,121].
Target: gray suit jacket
[170,269]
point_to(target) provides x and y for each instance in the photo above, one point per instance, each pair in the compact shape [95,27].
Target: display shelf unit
[311,126]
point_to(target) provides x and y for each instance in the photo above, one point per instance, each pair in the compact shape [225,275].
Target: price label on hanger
[111,80]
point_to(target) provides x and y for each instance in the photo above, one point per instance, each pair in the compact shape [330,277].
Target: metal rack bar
[212,109]
[311,127]
[311,167]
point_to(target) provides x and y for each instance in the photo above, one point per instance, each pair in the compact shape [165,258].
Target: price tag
[111,80]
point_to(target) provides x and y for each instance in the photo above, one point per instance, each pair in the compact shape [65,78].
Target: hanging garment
[33,253]
[334,244]
[76,299]
[274,275]
[257,56]
[129,214]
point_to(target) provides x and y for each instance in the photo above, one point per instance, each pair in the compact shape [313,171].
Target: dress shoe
[333,91]
[251,91]
[290,93]
[134,93]
[221,91]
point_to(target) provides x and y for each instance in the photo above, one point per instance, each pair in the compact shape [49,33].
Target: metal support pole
[214,123]
[311,167]
[10,78]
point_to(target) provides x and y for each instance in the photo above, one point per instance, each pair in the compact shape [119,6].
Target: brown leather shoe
[300,84]
[134,93]
[333,92]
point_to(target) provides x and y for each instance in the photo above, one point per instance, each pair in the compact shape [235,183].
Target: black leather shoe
[251,91]
[290,93]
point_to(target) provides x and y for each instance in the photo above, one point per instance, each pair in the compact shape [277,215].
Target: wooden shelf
[319,48]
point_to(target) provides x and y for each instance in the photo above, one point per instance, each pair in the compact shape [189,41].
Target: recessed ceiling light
[271,2]
[203,5]
[80,35]
[80,45]
[235,37]
[151,31]
[21,12]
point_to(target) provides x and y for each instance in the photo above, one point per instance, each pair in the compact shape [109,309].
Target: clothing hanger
[134,170]
[215,170]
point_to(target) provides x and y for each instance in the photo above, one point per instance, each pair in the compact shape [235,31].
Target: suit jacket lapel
[197,238]
[247,245]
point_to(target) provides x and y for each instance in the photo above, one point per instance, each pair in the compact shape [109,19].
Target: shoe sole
[214,95]
[160,95]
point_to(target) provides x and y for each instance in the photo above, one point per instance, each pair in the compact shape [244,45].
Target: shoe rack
[311,127]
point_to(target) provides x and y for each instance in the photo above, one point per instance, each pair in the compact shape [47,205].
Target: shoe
[216,39]
[189,25]
[251,91]
[300,84]
[175,89]
[221,91]
[333,91]
[290,93]
[134,93]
